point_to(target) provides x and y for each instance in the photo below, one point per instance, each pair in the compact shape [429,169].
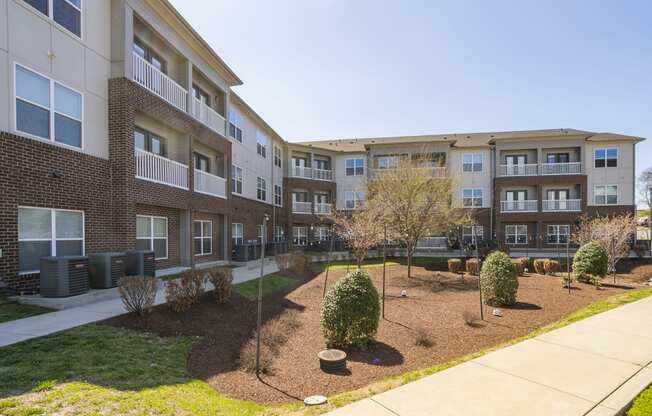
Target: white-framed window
[354,167]
[278,195]
[387,162]
[66,13]
[46,232]
[236,179]
[558,234]
[605,157]
[261,143]
[300,236]
[516,234]
[237,233]
[472,162]
[150,142]
[279,233]
[47,109]
[235,125]
[472,197]
[277,157]
[322,233]
[605,194]
[203,237]
[261,189]
[467,233]
[353,199]
[152,235]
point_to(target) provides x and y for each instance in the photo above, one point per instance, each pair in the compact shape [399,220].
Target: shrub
[567,280]
[595,281]
[221,278]
[551,267]
[540,266]
[138,293]
[525,261]
[590,259]
[518,265]
[454,265]
[499,280]
[472,266]
[350,311]
[247,357]
[422,337]
[187,292]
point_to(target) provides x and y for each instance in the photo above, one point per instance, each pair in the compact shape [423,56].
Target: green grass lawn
[10,311]
[272,283]
[642,405]
[434,263]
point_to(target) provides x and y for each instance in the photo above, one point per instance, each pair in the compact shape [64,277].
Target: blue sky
[358,68]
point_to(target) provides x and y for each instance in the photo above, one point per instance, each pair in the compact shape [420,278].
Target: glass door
[516,164]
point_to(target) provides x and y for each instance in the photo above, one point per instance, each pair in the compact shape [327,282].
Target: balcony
[528,205]
[302,207]
[310,173]
[323,208]
[211,118]
[160,84]
[434,172]
[543,169]
[562,205]
[209,184]
[322,174]
[158,169]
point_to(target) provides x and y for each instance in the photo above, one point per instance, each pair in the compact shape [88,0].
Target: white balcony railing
[208,116]
[322,208]
[160,84]
[519,170]
[155,168]
[301,172]
[209,184]
[554,205]
[302,207]
[323,174]
[570,168]
[529,205]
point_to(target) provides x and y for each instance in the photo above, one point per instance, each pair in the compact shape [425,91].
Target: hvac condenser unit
[140,263]
[106,269]
[64,276]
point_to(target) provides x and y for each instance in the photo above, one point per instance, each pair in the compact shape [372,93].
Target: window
[235,125]
[467,233]
[322,233]
[203,237]
[47,109]
[202,163]
[516,234]
[278,195]
[558,234]
[66,13]
[145,52]
[277,156]
[472,162]
[150,142]
[261,143]
[354,167]
[387,162]
[236,233]
[279,233]
[353,200]
[152,235]
[201,95]
[48,232]
[557,158]
[299,236]
[236,179]
[471,197]
[261,189]
[321,164]
[605,194]
[605,157]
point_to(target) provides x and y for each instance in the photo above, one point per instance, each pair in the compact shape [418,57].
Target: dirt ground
[436,303]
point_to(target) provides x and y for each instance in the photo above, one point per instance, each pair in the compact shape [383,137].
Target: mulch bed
[436,303]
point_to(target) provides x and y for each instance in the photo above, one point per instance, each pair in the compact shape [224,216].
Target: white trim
[238,236]
[364,168]
[50,17]
[233,191]
[472,197]
[263,189]
[202,237]
[472,171]
[152,238]
[605,186]
[274,199]
[606,158]
[516,234]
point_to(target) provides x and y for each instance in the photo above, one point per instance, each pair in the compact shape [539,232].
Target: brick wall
[218,245]
[174,234]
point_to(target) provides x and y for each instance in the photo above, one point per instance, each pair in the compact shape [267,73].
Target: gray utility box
[64,276]
[106,269]
[140,263]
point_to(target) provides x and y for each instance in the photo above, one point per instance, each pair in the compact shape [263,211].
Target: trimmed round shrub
[590,260]
[454,265]
[551,267]
[540,266]
[499,280]
[518,265]
[350,312]
[472,266]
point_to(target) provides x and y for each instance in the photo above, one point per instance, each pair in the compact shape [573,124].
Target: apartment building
[120,129]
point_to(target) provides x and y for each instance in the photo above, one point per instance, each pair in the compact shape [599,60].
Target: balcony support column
[186,82]
[122,39]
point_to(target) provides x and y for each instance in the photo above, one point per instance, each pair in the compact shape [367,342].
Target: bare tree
[644,187]
[361,230]
[415,200]
[614,233]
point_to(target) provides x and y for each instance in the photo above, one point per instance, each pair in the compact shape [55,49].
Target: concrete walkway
[37,326]
[594,367]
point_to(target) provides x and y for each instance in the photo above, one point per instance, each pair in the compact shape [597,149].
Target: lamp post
[477,257]
[384,261]
[568,262]
[260,293]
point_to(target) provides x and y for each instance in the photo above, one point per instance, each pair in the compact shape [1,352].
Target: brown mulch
[436,303]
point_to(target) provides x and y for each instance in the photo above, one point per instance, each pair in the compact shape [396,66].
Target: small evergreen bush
[499,280]
[454,265]
[350,311]
[590,260]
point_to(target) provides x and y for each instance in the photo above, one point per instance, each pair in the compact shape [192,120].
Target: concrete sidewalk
[37,326]
[594,367]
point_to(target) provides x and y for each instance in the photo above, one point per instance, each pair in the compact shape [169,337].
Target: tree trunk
[410,251]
